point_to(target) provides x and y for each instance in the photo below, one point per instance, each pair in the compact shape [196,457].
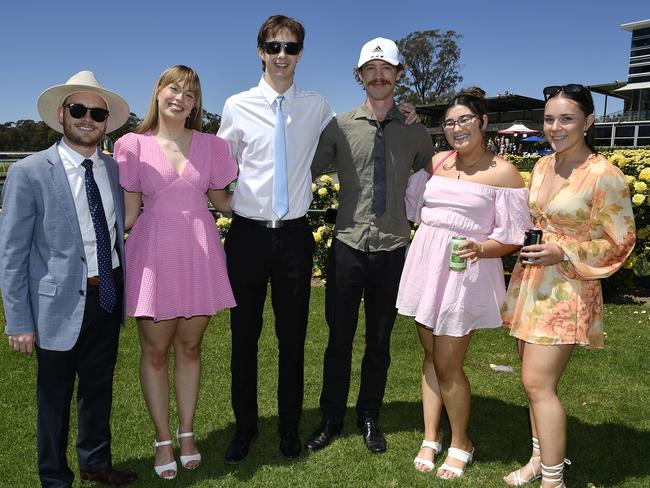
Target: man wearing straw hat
[61,274]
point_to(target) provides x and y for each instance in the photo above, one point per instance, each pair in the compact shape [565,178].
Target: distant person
[273,130]
[61,262]
[176,267]
[581,203]
[374,150]
[475,194]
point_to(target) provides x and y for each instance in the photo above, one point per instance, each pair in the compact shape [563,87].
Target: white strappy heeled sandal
[164,467]
[460,455]
[555,474]
[436,447]
[185,460]
[517,479]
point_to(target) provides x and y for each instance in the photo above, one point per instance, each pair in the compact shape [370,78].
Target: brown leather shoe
[111,476]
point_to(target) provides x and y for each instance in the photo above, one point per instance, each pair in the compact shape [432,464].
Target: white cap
[379,48]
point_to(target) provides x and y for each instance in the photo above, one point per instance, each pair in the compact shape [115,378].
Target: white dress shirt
[248,124]
[76,178]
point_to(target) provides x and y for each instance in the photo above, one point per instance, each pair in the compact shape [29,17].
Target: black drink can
[533,236]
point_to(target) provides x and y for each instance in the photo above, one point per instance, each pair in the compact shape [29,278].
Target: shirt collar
[362,112]
[73,157]
[270,94]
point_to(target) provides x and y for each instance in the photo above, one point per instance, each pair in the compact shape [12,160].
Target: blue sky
[518,47]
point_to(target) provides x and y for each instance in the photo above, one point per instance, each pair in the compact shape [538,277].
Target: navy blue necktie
[107,292]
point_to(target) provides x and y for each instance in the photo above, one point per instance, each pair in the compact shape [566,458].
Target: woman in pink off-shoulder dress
[480,196]
[176,274]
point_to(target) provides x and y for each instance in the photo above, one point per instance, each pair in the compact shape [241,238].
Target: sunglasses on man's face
[274,47]
[551,91]
[77,110]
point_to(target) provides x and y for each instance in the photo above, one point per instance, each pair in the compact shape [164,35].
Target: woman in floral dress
[554,301]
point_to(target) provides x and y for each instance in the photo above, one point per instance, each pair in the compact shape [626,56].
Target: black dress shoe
[323,435]
[111,476]
[239,447]
[290,443]
[372,436]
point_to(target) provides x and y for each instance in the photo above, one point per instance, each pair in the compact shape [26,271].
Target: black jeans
[256,255]
[351,275]
[92,359]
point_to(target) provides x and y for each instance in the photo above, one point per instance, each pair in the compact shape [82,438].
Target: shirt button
[81,292]
[83,259]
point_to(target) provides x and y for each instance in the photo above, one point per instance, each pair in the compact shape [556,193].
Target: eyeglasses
[463,122]
[551,91]
[77,110]
[274,47]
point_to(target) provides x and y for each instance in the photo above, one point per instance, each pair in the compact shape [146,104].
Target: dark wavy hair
[474,99]
[584,100]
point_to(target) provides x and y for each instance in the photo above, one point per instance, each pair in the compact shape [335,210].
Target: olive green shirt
[347,145]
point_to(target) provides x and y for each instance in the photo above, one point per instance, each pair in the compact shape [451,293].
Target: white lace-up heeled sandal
[164,467]
[555,474]
[436,447]
[517,479]
[185,460]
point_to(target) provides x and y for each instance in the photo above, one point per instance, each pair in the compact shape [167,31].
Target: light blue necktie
[280,185]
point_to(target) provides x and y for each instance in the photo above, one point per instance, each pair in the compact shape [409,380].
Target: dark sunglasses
[274,47]
[551,91]
[77,110]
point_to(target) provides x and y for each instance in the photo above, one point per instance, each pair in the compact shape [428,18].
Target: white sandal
[518,480]
[436,447]
[555,474]
[165,467]
[460,455]
[185,460]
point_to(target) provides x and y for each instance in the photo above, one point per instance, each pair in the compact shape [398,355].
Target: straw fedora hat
[84,81]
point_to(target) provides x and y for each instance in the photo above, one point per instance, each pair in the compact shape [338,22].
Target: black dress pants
[284,256]
[351,275]
[92,359]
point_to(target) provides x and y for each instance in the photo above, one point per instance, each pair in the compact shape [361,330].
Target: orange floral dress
[590,217]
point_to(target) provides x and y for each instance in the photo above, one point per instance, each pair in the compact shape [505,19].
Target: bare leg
[155,342]
[532,469]
[187,375]
[542,368]
[448,358]
[431,399]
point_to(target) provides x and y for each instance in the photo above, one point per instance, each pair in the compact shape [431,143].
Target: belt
[94,280]
[271,224]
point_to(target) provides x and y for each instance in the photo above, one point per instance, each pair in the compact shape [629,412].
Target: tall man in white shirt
[273,130]
[61,246]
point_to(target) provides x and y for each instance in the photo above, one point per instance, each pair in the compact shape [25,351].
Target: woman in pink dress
[176,274]
[582,204]
[480,196]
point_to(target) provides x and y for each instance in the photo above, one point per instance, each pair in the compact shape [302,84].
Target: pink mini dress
[175,263]
[454,303]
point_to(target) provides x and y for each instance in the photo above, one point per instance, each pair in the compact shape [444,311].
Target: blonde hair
[190,80]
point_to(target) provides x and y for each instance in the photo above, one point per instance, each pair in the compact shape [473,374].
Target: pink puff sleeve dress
[175,263]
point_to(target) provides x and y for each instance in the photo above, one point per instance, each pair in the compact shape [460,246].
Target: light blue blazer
[43,268]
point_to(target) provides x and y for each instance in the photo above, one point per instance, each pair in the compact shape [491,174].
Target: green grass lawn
[606,394]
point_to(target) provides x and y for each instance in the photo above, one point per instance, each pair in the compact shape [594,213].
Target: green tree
[211,122]
[26,135]
[432,61]
[130,125]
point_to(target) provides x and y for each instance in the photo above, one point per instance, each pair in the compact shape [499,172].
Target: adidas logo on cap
[381,49]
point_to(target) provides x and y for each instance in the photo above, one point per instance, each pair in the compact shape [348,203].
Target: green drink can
[456,263]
